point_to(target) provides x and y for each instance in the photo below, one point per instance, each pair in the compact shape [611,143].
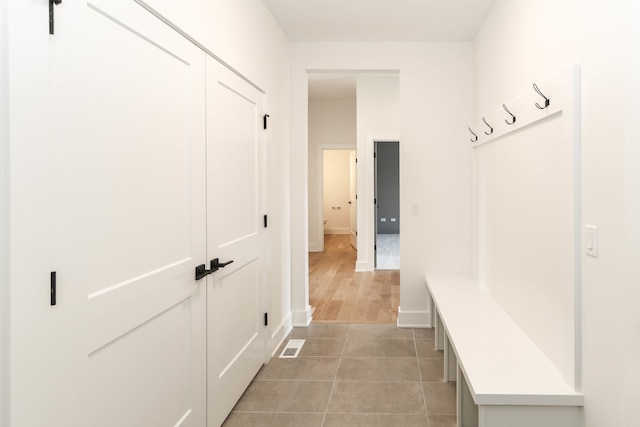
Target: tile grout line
[349,334]
[335,377]
[424,397]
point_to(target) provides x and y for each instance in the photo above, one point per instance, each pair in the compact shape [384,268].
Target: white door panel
[141,357]
[232,158]
[129,211]
[237,290]
[235,329]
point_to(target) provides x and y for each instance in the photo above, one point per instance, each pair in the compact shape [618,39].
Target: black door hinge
[264,120]
[53,288]
[265,221]
[266,319]
[51,4]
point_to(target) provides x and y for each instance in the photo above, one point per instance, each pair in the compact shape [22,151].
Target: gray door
[387,200]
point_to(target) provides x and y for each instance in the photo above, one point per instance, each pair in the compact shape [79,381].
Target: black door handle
[215,264]
[201,271]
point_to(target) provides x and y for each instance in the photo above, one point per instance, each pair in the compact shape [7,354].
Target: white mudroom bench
[502,377]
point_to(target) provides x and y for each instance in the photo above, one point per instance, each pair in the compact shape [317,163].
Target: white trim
[363,266]
[414,319]
[198,44]
[4,215]
[301,318]
[315,248]
[337,231]
[281,333]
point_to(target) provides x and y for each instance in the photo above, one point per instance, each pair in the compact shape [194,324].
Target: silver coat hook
[490,128]
[475,136]
[546,100]
[513,118]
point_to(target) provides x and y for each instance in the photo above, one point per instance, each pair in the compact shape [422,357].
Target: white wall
[336,165]
[521,42]
[378,119]
[435,158]
[332,124]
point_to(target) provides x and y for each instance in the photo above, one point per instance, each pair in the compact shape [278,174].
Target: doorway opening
[387,204]
[344,110]
[339,204]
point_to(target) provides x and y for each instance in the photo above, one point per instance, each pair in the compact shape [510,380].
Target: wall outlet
[415,208]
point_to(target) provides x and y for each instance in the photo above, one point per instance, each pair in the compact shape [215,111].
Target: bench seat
[501,365]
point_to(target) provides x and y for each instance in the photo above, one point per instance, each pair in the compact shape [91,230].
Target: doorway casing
[388,116]
[387,194]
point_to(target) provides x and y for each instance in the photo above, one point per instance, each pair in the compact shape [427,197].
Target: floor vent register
[292,349]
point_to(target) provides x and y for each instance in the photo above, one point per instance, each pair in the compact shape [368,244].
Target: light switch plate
[415,208]
[591,240]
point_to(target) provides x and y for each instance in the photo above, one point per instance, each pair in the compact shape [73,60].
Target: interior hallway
[339,294]
[352,375]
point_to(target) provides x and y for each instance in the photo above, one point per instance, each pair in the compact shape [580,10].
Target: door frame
[369,208]
[4,215]
[375,193]
[320,187]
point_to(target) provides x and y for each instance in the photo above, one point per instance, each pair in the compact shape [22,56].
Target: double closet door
[156,166]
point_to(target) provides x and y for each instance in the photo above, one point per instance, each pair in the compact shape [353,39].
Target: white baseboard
[363,266]
[414,319]
[315,247]
[281,333]
[337,231]
[302,318]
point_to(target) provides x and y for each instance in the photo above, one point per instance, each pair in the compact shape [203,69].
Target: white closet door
[128,212]
[236,332]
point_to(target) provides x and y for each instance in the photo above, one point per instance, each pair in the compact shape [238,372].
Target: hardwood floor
[339,294]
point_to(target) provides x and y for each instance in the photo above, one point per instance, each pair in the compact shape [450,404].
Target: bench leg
[450,361]
[439,332]
[466,408]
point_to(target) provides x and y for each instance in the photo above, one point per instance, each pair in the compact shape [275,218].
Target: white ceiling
[379,20]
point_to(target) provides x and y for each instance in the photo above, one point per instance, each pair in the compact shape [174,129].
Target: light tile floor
[388,252]
[352,375]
